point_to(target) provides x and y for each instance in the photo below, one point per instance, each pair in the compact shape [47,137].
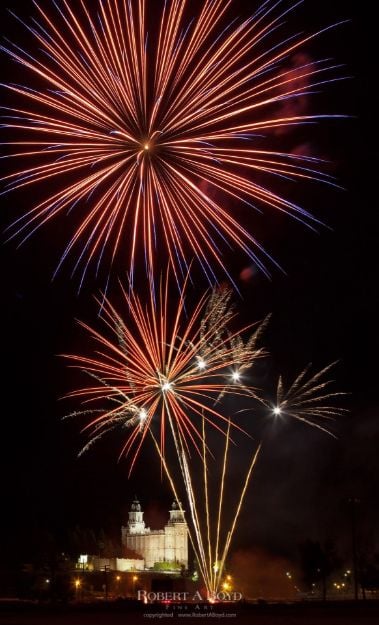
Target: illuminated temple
[168,545]
[145,548]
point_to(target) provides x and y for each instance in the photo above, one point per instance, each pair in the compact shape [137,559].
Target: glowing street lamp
[118,579]
[77,584]
[135,579]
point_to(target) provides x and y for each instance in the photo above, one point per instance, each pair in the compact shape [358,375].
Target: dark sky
[323,310]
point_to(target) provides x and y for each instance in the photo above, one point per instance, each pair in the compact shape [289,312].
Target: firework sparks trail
[236,515]
[221,501]
[164,367]
[206,495]
[138,135]
[308,399]
[204,542]
[197,547]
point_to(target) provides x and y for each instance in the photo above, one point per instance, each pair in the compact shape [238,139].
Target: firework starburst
[146,139]
[309,398]
[164,367]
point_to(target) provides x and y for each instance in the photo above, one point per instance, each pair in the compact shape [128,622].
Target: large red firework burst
[148,138]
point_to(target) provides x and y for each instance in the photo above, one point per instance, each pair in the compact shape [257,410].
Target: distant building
[169,545]
[97,563]
[145,548]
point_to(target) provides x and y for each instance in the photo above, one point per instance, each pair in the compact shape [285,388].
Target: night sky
[323,310]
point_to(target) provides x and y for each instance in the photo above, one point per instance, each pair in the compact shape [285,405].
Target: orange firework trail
[164,368]
[138,136]
[208,541]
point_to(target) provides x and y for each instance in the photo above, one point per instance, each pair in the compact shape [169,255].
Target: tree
[317,563]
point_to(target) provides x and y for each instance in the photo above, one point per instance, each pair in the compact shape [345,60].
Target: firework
[166,368]
[168,372]
[148,138]
[308,399]
[209,537]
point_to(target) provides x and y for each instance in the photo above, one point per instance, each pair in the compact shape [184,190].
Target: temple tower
[136,524]
[168,545]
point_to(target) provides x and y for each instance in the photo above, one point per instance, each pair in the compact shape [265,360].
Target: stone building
[169,545]
[98,563]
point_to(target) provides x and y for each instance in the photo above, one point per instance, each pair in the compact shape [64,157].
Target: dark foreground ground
[343,613]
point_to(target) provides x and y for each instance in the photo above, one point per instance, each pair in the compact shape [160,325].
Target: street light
[135,578]
[118,578]
[77,584]
[353,501]
[106,571]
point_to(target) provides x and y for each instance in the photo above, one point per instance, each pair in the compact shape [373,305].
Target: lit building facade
[97,563]
[156,546]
